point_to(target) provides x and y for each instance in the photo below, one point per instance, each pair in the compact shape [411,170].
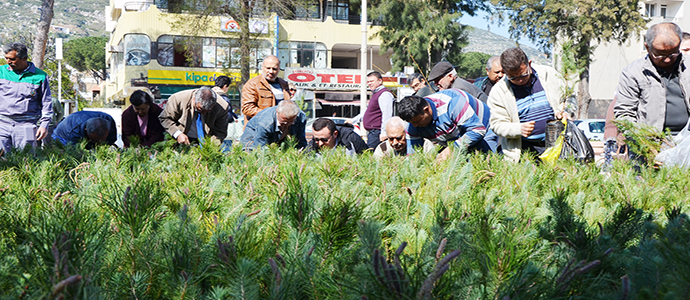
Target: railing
[137,5]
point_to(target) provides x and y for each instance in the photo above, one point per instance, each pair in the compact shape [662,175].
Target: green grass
[190,223]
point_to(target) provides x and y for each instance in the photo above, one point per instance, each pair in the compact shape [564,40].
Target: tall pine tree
[586,23]
[422,32]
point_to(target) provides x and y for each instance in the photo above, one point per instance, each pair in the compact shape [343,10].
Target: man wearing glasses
[448,117]
[191,115]
[329,135]
[528,96]
[276,124]
[654,90]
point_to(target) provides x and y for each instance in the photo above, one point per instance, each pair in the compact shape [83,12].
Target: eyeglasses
[529,72]
[664,57]
[323,140]
[396,138]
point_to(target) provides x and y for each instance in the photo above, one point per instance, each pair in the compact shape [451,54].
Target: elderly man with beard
[494,72]
[396,144]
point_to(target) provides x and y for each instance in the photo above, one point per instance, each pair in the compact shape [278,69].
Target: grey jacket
[641,95]
[462,84]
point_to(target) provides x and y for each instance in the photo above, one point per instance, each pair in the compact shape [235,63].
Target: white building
[610,59]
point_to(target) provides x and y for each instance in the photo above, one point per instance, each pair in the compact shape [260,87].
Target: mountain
[485,41]
[72,18]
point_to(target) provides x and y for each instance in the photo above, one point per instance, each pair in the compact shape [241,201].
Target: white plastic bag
[680,154]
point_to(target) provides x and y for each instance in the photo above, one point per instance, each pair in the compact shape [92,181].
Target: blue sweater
[73,128]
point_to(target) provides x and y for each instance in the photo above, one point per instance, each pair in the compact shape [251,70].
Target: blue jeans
[373,138]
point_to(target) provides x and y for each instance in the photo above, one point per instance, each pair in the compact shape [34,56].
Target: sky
[479,21]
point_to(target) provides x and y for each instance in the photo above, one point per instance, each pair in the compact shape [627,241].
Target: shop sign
[324,79]
[228,24]
[186,77]
[137,49]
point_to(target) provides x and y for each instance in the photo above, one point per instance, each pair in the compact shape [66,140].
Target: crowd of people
[506,112]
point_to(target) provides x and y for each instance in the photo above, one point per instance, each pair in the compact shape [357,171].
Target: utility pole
[363,59]
[58,56]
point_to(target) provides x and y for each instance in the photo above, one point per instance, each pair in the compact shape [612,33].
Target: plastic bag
[680,154]
[552,154]
[553,141]
[576,145]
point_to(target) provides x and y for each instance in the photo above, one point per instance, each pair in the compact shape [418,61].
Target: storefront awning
[338,102]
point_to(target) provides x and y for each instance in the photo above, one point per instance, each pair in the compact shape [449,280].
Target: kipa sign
[324,79]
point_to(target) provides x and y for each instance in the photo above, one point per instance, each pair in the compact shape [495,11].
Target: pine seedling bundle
[190,223]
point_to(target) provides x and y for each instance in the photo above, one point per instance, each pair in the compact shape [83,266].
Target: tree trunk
[245,39]
[583,96]
[41,39]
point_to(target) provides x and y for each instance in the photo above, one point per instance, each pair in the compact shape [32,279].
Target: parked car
[308,132]
[593,128]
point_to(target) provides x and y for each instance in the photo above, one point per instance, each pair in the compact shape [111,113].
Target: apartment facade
[152,46]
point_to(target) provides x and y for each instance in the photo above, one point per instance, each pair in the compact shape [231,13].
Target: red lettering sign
[326,78]
[345,78]
[301,77]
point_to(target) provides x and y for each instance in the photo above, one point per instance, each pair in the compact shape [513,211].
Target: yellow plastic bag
[552,154]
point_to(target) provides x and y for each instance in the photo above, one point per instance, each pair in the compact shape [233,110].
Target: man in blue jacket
[96,127]
[274,125]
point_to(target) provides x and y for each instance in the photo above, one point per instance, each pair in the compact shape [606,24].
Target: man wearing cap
[528,96]
[445,77]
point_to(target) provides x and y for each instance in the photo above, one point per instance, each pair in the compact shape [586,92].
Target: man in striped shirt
[450,116]
[522,103]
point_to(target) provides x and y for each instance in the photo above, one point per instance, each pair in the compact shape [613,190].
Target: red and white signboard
[324,79]
[229,25]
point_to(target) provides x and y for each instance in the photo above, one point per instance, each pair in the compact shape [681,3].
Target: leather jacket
[257,95]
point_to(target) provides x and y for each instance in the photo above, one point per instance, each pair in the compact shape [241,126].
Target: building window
[662,11]
[338,9]
[308,11]
[649,10]
[118,59]
[183,51]
[302,55]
